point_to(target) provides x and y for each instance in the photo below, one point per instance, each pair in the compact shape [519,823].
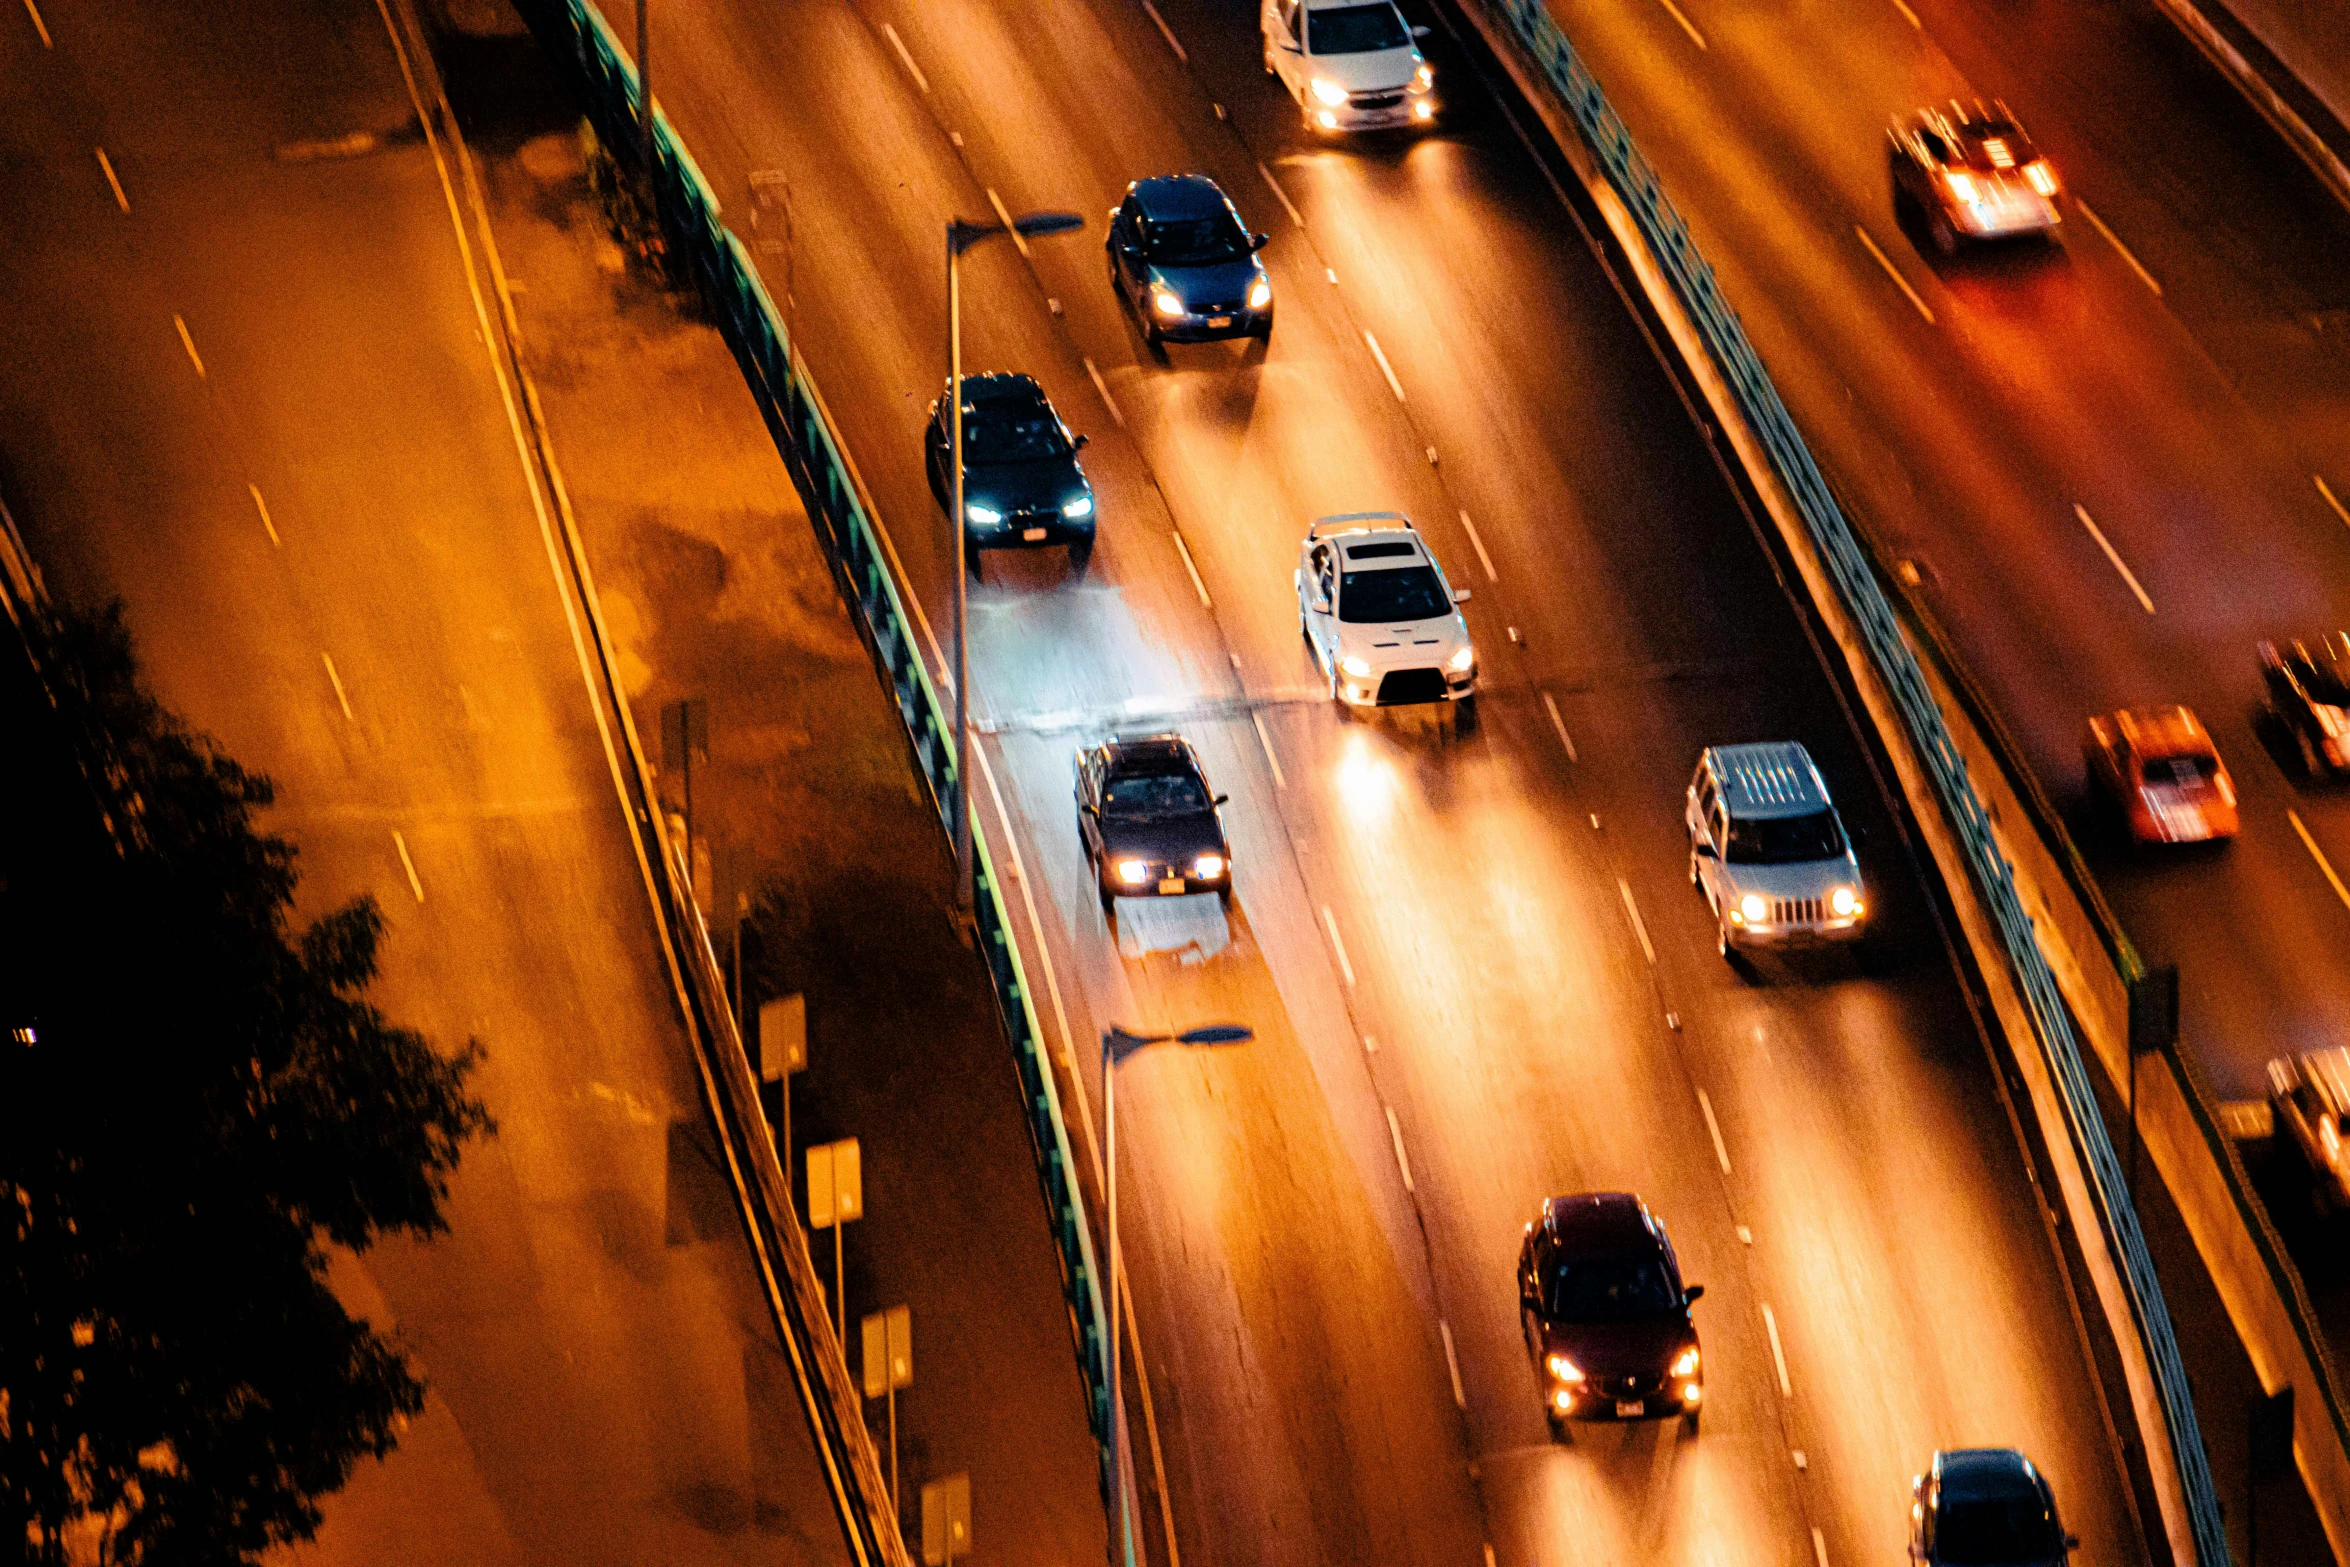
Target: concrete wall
[2312,37]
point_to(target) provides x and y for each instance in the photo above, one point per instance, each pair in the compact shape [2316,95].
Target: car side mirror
[1419,32]
[1690,1295]
[1259,241]
[1292,49]
[1705,849]
[1321,605]
[1090,809]
[2072,1542]
[1078,444]
[1221,799]
[1460,595]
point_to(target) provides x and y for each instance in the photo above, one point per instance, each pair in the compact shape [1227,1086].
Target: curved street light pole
[961,236]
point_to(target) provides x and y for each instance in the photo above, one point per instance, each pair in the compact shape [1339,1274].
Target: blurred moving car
[1768,850]
[1985,1507]
[1381,620]
[2309,696]
[1148,821]
[1606,1315]
[2310,1095]
[1022,485]
[1352,65]
[1186,265]
[1970,176]
[2159,768]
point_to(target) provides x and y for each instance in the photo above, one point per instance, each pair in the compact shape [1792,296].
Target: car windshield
[992,434]
[2181,769]
[1404,593]
[1356,29]
[1154,794]
[1198,242]
[1996,1531]
[2327,682]
[1785,840]
[1611,1289]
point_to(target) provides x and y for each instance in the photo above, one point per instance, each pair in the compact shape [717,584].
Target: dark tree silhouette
[195,1100]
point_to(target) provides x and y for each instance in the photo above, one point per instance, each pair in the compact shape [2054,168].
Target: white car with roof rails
[1768,850]
[1352,65]
[1383,623]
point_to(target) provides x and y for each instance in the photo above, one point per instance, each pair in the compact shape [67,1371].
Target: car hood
[1217,283]
[1041,485]
[1162,839]
[1403,644]
[1374,70]
[1807,879]
[1645,1347]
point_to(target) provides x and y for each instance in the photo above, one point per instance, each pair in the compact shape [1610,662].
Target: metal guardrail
[1849,567]
[576,35]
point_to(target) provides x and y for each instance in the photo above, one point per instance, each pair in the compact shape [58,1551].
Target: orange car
[2159,766]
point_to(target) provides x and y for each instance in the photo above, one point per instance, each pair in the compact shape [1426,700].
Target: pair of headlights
[1167,303]
[1845,903]
[986,516]
[1208,867]
[1332,95]
[1564,1370]
[1460,663]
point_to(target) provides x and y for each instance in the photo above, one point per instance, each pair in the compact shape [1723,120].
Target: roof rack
[1322,527]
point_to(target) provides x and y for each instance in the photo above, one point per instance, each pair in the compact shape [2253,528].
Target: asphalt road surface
[1476,970]
[243,387]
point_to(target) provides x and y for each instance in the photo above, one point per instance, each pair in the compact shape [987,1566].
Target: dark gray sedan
[1148,820]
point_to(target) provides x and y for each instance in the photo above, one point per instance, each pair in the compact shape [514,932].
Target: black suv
[1985,1507]
[1148,821]
[1606,1315]
[1186,265]
[1022,486]
[2309,696]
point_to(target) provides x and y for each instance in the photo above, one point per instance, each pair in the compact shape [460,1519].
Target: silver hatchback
[1768,850]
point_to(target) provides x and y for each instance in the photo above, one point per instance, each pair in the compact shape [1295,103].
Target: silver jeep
[1768,850]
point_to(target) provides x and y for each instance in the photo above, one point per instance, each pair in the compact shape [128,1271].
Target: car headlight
[1423,78]
[1260,294]
[1208,867]
[981,514]
[1845,902]
[1463,661]
[1133,872]
[1753,907]
[1563,1369]
[2043,177]
[1329,92]
[1165,303]
[1357,667]
[1962,186]
[1686,1366]
[1423,110]
[1080,507]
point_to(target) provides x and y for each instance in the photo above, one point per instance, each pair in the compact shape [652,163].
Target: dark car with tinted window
[1022,485]
[1606,1315]
[2309,698]
[1149,821]
[1186,265]
[1985,1507]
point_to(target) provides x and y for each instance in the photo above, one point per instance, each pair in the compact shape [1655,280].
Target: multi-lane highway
[1476,970]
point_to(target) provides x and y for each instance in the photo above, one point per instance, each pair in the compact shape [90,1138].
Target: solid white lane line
[2098,224]
[1483,559]
[2110,554]
[1332,274]
[1166,32]
[1330,924]
[39,26]
[1687,26]
[262,507]
[1894,273]
[414,885]
[905,57]
[1632,910]
[1266,741]
[1912,15]
[1560,725]
[1004,216]
[189,344]
[1714,1129]
[1819,1541]
[112,183]
[2319,855]
[1109,402]
[336,681]
[2339,510]
[1287,205]
[1198,586]
[1489,1554]
[1778,1355]
[1452,1363]
[1385,369]
[1395,1131]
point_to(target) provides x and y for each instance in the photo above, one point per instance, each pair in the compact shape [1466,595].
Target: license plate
[1032,534]
[1171,884]
[1219,320]
[1631,1409]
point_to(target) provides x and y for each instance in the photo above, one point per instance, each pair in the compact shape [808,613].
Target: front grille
[1374,100]
[1798,911]
[1411,685]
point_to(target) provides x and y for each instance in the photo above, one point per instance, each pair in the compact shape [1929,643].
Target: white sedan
[1382,622]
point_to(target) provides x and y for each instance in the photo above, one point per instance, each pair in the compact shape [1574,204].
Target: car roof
[2163,731]
[1000,388]
[1774,778]
[1977,1473]
[1168,197]
[1372,540]
[1147,753]
[1601,1222]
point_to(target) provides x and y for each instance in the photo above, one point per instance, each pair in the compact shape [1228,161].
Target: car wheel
[1224,896]
[1464,714]
[1722,945]
[1689,1423]
[1945,237]
[971,559]
[1080,556]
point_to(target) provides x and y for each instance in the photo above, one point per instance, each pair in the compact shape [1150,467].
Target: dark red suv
[1606,1314]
